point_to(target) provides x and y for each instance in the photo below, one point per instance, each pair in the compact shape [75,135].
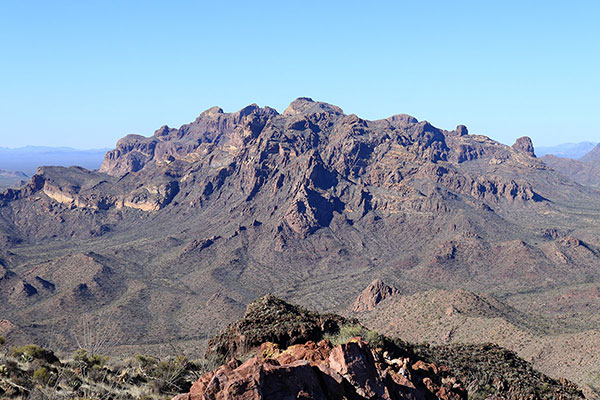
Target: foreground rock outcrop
[355,368]
[351,370]
[270,319]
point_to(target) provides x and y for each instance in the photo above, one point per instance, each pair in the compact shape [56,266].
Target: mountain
[29,158]
[592,156]
[11,178]
[585,171]
[175,233]
[566,150]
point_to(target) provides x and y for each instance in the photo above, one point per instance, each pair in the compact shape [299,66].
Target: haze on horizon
[83,75]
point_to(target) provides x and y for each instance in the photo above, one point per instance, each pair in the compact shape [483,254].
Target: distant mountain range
[566,150]
[27,159]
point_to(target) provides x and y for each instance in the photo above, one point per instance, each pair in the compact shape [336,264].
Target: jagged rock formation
[373,294]
[525,145]
[319,371]
[311,204]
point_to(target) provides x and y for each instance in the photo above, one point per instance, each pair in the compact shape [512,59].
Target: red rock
[428,367]
[315,354]
[355,361]
[317,371]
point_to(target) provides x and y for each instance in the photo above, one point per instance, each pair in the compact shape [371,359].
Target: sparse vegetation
[489,369]
[31,371]
[349,331]
[34,372]
[33,352]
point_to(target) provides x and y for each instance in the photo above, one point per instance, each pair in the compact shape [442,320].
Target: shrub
[31,352]
[87,360]
[2,341]
[170,376]
[347,332]
[43,376]
[144,362]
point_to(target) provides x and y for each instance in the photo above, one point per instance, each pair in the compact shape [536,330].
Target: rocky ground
[279,351]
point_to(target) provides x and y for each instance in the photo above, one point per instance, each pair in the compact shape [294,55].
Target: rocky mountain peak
[525,145]
[461,130]
[306,105]
[213,111]
[375,293]
[402,119]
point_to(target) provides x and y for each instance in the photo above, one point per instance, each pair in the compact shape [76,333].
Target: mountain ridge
[310,204]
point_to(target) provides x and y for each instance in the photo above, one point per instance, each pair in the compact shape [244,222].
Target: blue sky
[85,73]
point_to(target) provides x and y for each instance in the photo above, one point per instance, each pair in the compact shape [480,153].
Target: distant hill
[592,156]
[29,158]
[585,170]
[11,178]
[566,150]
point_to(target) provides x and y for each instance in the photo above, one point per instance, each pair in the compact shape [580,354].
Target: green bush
[143,361]
[31,352]
[347,332]
[43,376]
[81,356]
[2,341]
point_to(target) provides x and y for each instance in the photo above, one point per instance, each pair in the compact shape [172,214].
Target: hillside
[176,232]
[457,317]
[289,352]
[585,170]
[592,156]
[11,179]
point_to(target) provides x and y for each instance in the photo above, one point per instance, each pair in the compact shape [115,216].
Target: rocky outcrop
[351,370]
[376,292]
[212,127]
[270,319]
[525,145]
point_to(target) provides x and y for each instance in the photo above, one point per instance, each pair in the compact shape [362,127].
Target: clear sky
[85,73]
